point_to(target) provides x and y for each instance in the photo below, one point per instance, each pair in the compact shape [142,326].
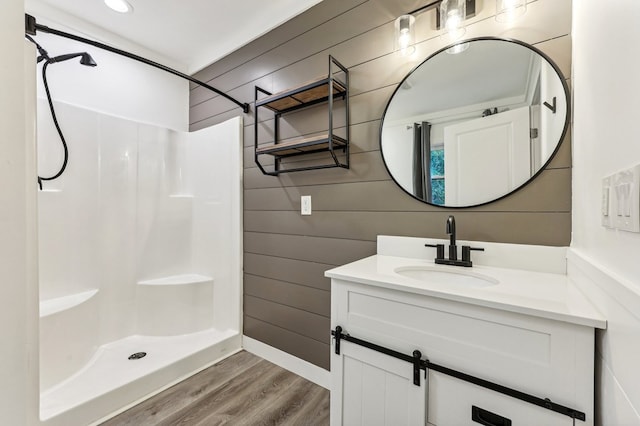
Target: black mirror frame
[567,120]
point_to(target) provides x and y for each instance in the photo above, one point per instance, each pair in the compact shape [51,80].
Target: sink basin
[440,276]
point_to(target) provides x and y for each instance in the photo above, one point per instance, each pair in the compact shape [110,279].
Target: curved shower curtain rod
[31,26]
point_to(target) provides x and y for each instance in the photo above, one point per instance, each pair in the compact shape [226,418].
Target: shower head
[85,58]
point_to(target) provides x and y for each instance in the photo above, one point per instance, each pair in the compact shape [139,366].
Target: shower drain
[138,355]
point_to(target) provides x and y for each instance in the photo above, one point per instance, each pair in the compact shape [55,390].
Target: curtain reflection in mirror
[422,160]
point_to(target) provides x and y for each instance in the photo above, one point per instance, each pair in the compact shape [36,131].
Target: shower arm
[31,26]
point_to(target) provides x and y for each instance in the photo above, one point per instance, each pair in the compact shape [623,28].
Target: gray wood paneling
[300,272]
[544,228]
[329,251]
[562,158]
[300,24]
[552,192]
[215,118]
[365,166]
[344,26]
[286,294]
[559,50]
[293,343]
[306,298]
[299,321]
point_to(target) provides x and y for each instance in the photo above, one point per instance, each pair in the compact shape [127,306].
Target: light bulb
[509,10]
[453,21]
[404,40]
[452,16]
[404,37]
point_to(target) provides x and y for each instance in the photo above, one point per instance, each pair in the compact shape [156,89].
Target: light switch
[606,202]
[627,193]
[305,205]
[619,199]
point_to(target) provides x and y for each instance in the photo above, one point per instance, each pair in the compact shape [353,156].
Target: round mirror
[471,125]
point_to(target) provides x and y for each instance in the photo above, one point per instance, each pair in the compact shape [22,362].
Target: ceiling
[191,34]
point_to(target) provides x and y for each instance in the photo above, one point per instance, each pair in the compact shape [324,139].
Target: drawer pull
[487,418]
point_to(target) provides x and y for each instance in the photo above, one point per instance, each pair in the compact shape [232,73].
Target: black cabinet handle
[466,252]
[439,250]
[487,418]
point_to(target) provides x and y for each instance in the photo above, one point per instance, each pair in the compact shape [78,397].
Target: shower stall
[139,259]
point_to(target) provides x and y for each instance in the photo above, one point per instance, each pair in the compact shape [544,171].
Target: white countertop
[542,294]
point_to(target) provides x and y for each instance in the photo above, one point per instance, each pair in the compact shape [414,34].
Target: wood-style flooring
[240,390]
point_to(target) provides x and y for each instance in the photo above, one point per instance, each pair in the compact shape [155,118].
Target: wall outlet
[305,205]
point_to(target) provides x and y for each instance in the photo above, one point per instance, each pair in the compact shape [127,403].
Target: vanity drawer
[451,402]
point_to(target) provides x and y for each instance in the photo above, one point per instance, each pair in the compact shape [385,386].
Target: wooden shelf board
[305,93]
[300,146]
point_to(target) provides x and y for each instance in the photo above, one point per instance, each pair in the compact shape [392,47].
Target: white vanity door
[486,157]
[370,388]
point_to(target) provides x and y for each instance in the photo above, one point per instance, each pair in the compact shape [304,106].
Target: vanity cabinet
[543,357]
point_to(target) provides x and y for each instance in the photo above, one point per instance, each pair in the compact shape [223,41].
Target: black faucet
[451,230]
[453,248]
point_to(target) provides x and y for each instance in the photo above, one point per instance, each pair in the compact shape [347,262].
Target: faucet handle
[466,252]
[439,250]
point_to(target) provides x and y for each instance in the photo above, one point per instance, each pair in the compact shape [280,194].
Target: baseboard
[302,368]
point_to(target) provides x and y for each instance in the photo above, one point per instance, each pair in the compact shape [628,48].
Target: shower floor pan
[111,382]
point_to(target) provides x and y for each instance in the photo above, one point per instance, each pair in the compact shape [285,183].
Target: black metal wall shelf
[323,90]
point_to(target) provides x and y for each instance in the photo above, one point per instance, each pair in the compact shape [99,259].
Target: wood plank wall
[286,297]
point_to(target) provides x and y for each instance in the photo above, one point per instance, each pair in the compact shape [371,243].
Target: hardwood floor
[240,390]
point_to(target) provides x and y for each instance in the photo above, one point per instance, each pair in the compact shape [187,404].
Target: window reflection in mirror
[469,128]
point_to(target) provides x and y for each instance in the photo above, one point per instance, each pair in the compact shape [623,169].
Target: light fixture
[404,34]
[120,6]
[452,16]
[509,10]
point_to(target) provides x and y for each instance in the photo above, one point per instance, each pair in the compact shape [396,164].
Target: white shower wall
[149,218]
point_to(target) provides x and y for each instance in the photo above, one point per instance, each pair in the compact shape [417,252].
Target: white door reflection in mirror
[486,157]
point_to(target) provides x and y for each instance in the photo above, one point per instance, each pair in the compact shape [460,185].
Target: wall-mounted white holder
[624,200]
